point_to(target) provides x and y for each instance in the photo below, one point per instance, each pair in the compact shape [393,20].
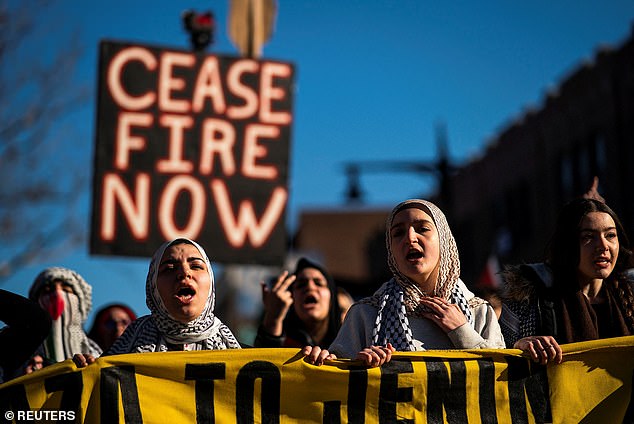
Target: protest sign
[593,384]
[191,145]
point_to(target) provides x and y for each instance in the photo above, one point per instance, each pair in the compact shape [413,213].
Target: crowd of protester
[581,291]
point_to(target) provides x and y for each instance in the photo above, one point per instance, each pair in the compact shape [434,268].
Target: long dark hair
[563,253]
[334,313]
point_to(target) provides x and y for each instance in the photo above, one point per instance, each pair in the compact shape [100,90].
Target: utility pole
[251,24]
[440,168]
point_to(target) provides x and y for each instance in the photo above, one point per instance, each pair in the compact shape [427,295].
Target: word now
[135,204]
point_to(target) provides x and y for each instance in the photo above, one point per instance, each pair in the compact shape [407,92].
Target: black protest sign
[191,145]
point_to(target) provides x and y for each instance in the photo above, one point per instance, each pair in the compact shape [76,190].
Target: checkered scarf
[400,297]
[153,333]
[67,335]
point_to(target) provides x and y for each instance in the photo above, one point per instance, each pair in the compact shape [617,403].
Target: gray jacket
[356,331]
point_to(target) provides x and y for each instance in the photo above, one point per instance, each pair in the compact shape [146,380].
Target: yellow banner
[594,383]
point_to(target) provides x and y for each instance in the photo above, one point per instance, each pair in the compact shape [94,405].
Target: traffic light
[200,27]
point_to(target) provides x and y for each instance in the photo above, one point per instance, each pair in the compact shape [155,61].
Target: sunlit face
[311,296]
[183,282]
[415,245]
[598,246]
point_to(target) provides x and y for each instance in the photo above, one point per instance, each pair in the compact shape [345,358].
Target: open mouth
[414,254]
[310,300]
[185,294]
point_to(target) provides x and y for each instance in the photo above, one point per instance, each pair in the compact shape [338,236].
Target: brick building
[506,202]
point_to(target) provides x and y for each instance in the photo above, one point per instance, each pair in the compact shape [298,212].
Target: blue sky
[373,79]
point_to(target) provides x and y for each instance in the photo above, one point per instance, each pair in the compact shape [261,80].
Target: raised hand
[277,300]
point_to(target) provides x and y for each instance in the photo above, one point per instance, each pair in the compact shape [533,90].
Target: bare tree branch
[44,172]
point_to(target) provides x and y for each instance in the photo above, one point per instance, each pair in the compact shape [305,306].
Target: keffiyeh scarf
[400,297]
[68,313]
[155,332]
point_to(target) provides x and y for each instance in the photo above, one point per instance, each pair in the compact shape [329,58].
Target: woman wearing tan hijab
[425,305]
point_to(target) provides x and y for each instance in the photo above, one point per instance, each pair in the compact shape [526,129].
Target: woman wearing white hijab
[425,305]
[180,295]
